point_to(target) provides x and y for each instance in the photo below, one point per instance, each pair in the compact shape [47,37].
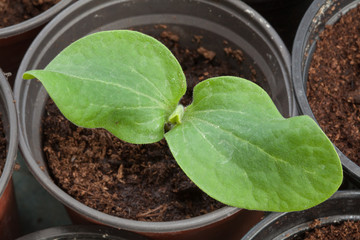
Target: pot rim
[13,132]
[279,216]
[127,224]
[299,47]
[82,231]
[33,22]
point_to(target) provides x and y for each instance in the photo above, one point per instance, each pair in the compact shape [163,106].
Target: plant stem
[176,117]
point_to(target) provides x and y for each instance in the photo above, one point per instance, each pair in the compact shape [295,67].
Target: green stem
[176,117]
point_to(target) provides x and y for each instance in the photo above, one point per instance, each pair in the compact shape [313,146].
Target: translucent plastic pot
[9,221]
[341,207]
[283,15]
[216,21]
[319,14]
[15,39]
[81,233]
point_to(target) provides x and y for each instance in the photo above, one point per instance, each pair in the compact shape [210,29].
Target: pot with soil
[325,74]
[203,35]
[8,150]
[283,15]
[337,218]
[20,22]
[81,232]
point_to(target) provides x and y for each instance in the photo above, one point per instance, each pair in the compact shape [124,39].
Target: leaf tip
[29,75]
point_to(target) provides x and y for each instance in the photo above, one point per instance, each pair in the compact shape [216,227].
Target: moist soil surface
[16,11]
[334,83]
[348,230]
[141,182]
[3,150]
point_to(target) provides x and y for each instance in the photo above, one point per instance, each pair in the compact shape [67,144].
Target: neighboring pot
[232,21]
[9,227]
[15,39]
[81,232]
[319,14]
[283,15]
[342,206]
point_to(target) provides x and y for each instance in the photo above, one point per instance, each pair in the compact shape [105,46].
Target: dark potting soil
[3,150]
[348,230]
[334,83]
[141,182]
[16,11]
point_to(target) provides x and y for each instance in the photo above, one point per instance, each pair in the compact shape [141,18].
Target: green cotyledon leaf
[235,145]
[123,81]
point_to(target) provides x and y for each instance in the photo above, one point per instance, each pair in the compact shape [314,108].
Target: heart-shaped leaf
[235,145]
[123,81]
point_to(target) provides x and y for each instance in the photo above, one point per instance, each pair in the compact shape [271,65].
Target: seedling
[231,141]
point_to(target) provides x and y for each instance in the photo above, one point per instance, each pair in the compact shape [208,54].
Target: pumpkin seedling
[231,141]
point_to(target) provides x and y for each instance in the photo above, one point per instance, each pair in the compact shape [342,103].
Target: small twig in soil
[153,212]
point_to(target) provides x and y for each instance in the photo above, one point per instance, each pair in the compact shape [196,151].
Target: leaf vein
[248,142]
[148,81]
[212,145]
[111,84]
[124,107]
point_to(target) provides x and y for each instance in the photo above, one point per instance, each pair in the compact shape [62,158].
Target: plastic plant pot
[283,15]
[15,39]
[342,206]
[8,210]
[232,21]
[319,14]
[81,232]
